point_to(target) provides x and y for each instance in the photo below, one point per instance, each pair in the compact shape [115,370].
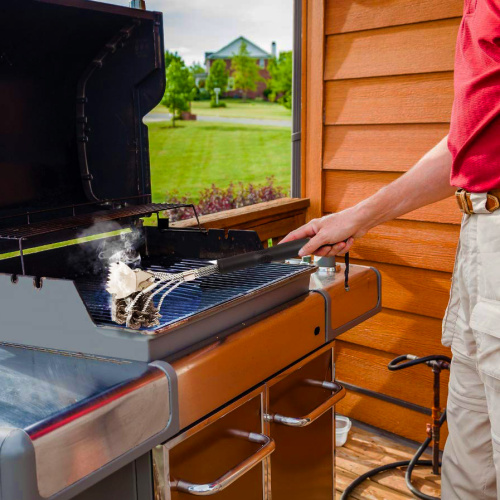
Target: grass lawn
[237,109]
[196,154]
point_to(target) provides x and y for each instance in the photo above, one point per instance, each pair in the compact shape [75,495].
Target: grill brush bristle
[119,312]
[133,291]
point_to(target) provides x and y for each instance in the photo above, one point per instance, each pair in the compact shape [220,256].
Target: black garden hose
[411,464]
[438,363]
[396,363]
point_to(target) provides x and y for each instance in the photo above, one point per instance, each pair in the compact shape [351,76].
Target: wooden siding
[386,148]
[390,99]
[343,16]
[345,188]
[387,93]
[402,50]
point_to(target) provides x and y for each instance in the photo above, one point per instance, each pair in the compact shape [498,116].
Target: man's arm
[427,182]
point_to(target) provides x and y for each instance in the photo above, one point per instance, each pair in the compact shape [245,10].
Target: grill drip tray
[199,309]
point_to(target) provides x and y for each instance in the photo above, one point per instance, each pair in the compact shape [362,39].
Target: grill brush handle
[279,252]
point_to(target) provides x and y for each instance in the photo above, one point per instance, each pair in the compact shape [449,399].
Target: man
[470,157]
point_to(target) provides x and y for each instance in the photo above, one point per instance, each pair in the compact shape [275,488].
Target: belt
[465,203]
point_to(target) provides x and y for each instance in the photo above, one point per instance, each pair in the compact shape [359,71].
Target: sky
[193,27]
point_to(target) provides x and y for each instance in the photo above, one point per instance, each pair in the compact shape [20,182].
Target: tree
[280,84]
[196,68]
[179,90]
[217,78]
[245,71]
[171,56]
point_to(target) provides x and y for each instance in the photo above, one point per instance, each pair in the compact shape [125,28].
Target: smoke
[122,250]
[94,256]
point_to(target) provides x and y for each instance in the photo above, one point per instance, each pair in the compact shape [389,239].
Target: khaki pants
[471,461]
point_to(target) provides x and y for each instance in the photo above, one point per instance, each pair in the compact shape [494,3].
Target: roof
[233,48]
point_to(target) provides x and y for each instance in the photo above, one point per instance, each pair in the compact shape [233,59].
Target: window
[242,132]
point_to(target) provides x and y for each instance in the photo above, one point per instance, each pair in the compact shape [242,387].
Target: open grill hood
[76,79]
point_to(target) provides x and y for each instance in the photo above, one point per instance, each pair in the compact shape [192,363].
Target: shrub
[204,95]
[214,104]
[215,199]
[267,93]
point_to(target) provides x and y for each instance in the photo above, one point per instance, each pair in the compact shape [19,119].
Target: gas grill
[78,77]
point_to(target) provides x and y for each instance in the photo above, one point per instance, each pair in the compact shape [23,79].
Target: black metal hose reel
[438,363]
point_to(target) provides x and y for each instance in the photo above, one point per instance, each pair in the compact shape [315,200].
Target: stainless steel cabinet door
[300,419]
[224,457]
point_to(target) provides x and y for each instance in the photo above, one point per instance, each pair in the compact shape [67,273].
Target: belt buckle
[496,202]
[461,196]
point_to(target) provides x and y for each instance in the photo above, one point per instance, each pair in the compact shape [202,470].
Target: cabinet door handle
[338,394]
[233,474]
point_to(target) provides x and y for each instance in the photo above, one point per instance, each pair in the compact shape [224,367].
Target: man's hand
[331,235]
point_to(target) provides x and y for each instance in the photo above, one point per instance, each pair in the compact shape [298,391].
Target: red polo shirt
[474,139]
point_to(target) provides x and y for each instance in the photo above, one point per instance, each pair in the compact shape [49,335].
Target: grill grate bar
[85,220]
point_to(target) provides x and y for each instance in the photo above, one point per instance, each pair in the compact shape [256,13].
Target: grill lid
[76,79]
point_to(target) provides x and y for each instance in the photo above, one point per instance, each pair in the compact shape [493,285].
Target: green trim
[62,244]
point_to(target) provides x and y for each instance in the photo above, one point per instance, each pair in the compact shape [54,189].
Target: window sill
[271,219]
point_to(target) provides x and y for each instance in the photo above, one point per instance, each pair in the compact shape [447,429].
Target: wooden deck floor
[366,450]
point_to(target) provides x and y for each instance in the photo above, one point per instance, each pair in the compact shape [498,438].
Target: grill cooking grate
[193,297]
[84,220]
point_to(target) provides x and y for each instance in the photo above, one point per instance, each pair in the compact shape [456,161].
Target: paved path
[161,117]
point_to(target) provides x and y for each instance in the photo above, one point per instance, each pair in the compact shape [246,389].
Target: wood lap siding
[390,99]
[386,148]
[387,92]
[344,188]
[401,50]
[343,16]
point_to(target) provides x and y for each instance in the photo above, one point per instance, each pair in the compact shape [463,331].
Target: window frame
[296,174]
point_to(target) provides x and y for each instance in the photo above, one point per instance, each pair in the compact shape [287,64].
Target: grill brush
[133,291]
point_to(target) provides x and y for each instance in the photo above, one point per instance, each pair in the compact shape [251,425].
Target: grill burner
[193,297]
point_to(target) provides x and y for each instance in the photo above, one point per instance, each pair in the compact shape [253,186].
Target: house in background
[228,51]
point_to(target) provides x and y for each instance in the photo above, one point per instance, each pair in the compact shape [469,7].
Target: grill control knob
[327,264]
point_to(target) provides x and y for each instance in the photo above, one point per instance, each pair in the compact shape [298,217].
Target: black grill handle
[279,252]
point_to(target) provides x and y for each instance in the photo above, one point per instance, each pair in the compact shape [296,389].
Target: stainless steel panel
[83,442]
[80,412]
